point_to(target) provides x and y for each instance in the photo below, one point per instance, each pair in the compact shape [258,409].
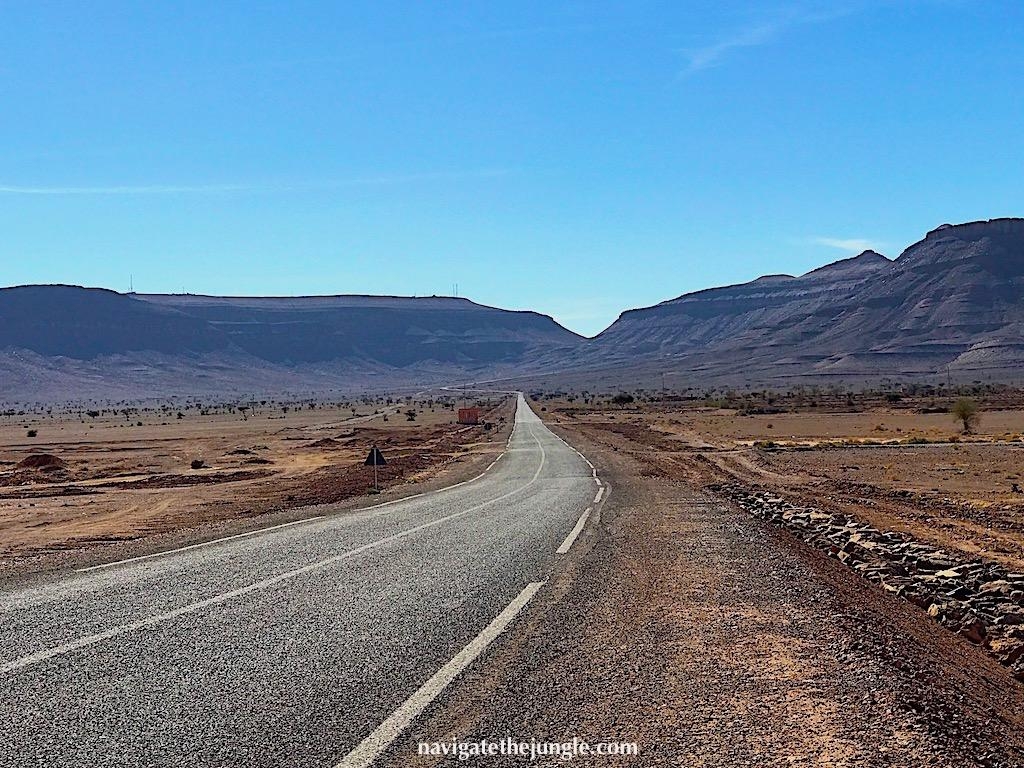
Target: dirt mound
[326,442]
[176,481]
[329,485]
[41,461]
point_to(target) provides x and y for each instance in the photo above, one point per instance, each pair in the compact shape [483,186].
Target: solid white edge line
[574,533]
[600,493]
[370,748]
[356,511]
[87,640]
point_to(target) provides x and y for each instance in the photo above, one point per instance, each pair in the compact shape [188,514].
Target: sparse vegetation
[966,411]
[223,458]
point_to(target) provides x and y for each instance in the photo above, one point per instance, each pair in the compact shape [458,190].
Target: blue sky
[577,159]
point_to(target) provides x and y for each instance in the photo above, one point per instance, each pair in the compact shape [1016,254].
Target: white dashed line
[571,538]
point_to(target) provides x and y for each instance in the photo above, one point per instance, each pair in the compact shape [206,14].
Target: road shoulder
[710,638]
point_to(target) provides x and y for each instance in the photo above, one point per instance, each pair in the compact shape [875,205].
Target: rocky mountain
[950,305]
[61,342]
[778,306]
[85,323]
[394,331]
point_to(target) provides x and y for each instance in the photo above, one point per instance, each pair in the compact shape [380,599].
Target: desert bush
[966,411]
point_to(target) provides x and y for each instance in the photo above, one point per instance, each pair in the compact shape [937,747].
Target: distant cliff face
[395,331]
[65,341]
[68,321]
[994,246]
[953,302]
[744,315]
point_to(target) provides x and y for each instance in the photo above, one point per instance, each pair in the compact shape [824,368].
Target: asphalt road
[289,647]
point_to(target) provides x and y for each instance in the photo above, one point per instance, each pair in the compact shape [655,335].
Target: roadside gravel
[712,639]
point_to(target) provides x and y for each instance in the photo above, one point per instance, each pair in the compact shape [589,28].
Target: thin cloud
[757,34]
[157,189]
[215,189]
[709,56]
[402,178]
[850,245]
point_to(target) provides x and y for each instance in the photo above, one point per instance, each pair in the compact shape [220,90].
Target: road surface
[309,644]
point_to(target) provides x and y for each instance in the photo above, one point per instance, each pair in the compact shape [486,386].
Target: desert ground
[84,483]
[892,486]
[906,467]
[767,579]
[709,616]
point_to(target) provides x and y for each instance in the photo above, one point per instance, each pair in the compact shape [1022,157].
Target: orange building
[469,415]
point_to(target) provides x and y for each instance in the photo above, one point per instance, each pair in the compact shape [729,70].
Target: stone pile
[981,600]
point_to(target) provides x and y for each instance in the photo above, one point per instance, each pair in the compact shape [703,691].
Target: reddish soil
[713,639]
[97,490]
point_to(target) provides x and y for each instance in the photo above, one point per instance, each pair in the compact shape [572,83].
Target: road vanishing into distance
[314,644]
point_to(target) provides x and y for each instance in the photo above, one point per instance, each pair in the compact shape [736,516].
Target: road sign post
[375,459]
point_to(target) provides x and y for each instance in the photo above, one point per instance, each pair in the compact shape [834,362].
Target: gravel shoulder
[713,639]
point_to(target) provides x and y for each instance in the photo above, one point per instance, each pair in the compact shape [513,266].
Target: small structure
[469,415]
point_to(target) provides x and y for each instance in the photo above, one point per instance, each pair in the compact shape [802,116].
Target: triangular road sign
[376,458]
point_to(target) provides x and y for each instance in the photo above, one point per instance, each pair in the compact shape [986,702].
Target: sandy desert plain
[888,483]
[842,569]
[88,483]
[904,465]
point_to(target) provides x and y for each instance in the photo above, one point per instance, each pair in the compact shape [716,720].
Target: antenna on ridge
[131,283]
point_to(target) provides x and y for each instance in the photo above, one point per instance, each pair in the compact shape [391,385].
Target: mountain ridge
[951,304]
[62,341]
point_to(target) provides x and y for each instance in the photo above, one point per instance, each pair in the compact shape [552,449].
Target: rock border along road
[297,645]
